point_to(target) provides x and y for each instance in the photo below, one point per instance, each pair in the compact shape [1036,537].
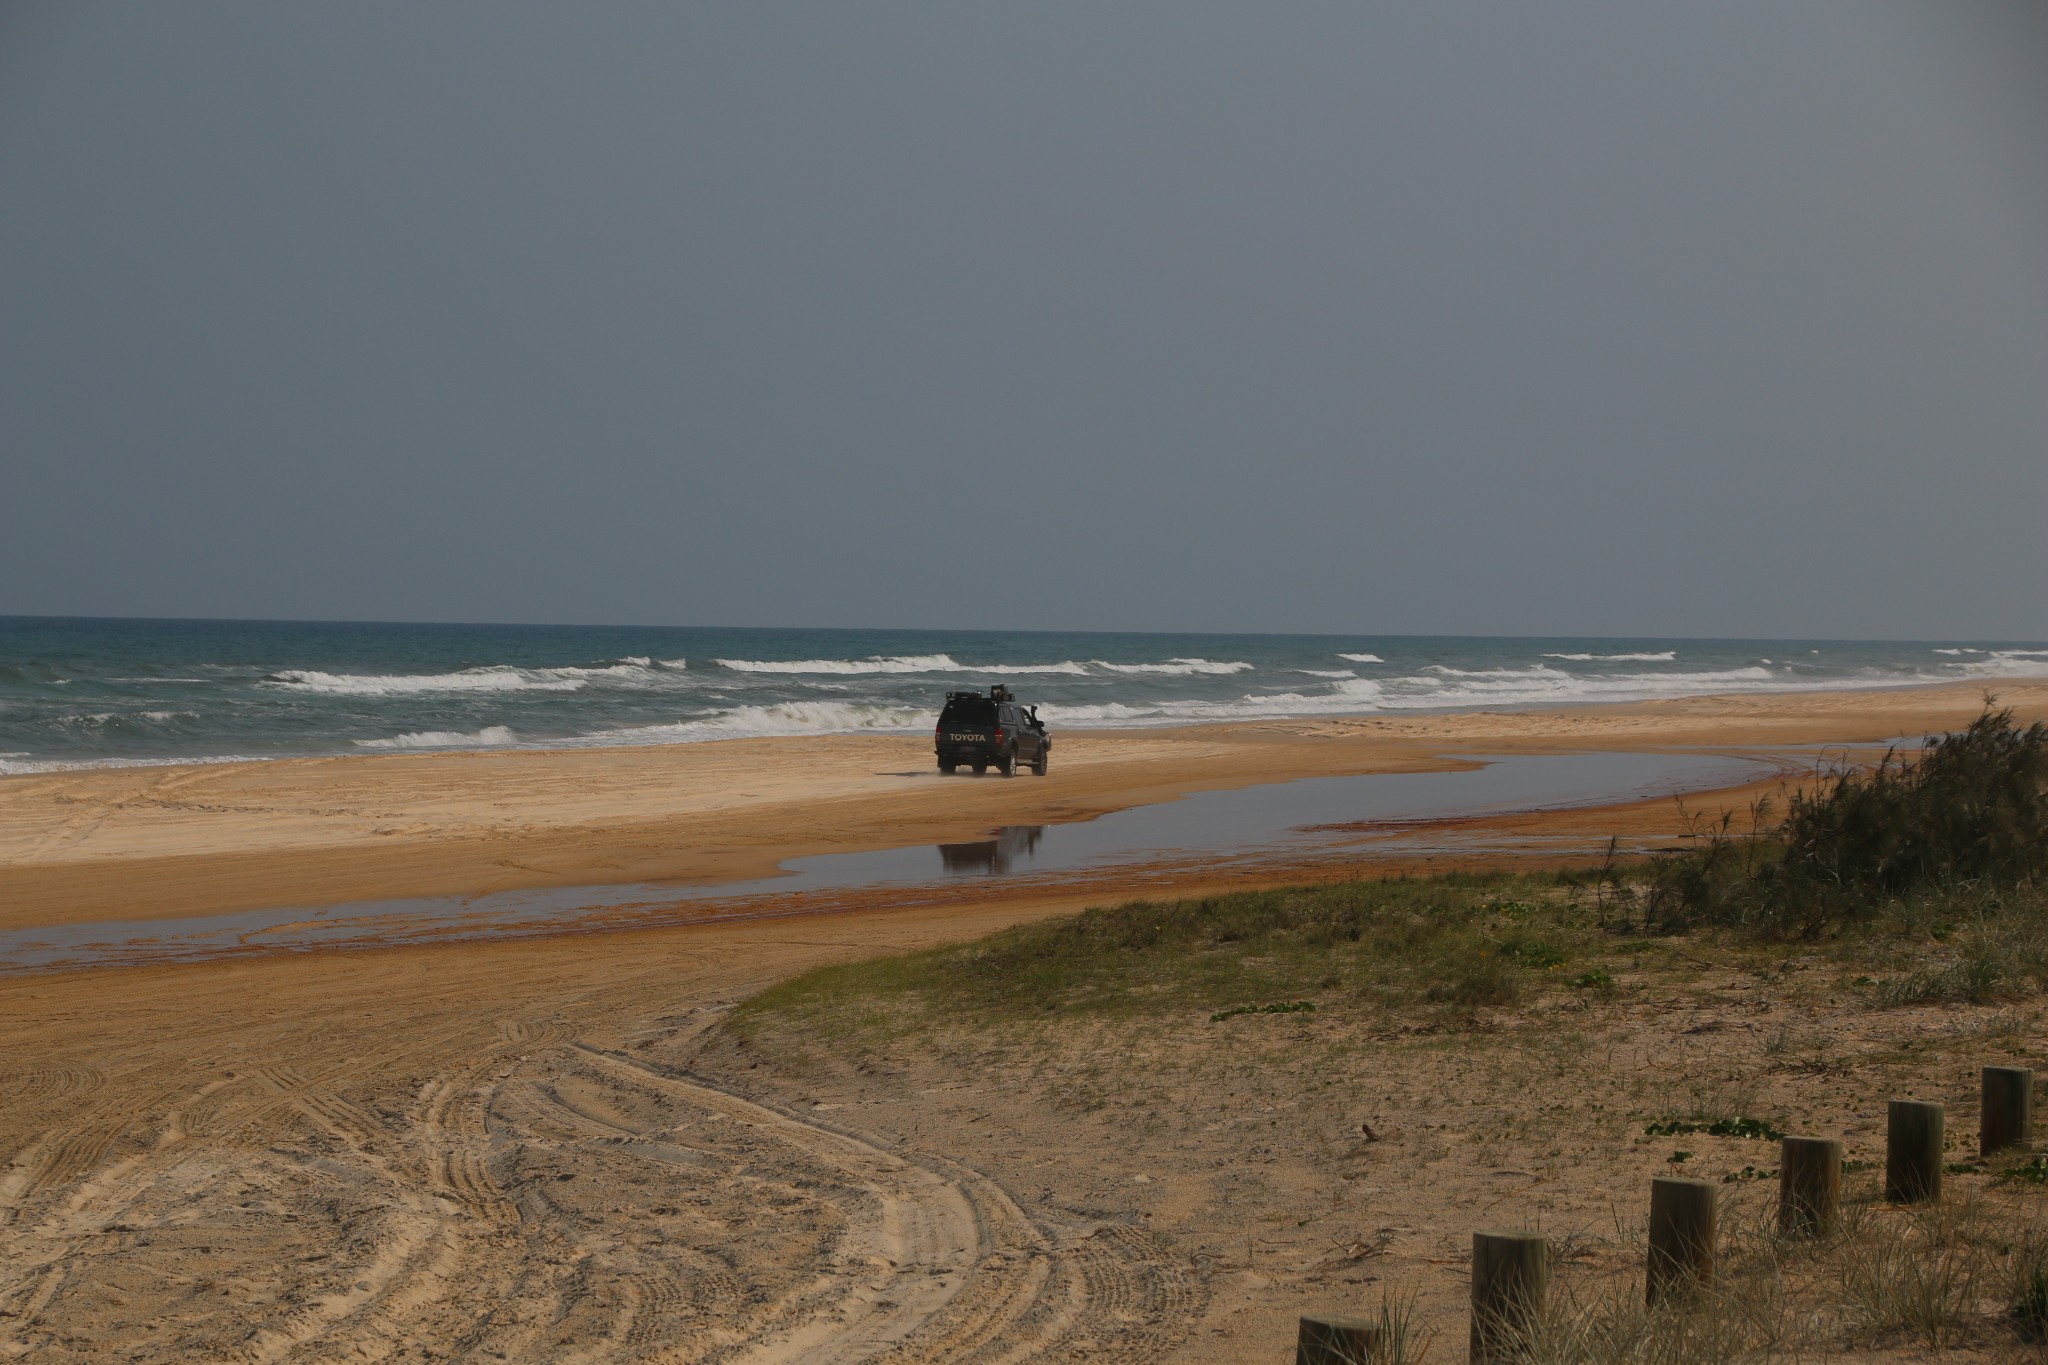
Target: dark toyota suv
[991,730]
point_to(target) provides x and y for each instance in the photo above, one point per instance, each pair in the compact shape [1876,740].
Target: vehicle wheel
[947,768]
[1007,764]
[1039,764]
[980,768]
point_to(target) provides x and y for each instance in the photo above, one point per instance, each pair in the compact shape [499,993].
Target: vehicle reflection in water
[992,857]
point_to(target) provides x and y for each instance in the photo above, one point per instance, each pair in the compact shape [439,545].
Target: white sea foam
[489,678]
[1961,651]
[755,722]
[1102,713]
[892,663]
[1180,668]
[2001,663]
[624,670]
[1068,667]
[394,684]
[1363,658]
[1662,657]
[491,736]
[15,765]
[1347,695]
[1440,687]
[1326,672]
[1544,683]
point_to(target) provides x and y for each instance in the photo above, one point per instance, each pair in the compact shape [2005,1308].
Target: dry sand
[522,1150]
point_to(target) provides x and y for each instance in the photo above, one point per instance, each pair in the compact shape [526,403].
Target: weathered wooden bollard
[1681,1236]
[1510,1274]
[2007,1120]
[1337,1341]
[1912,1158]
[1809,1186]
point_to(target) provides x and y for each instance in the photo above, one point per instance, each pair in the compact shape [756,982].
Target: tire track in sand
[32,1084]
[953,1269]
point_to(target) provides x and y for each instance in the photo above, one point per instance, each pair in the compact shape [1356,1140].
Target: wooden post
[2008,1116]
[1912,1159]
[1681,1236]
[1510,1272]
[1337,1341]
[1809,1186]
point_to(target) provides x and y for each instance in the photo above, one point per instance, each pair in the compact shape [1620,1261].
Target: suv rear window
[969,712]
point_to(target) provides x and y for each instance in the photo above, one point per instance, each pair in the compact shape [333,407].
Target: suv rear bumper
[969,753]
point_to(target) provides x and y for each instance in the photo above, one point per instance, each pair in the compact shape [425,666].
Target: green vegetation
[1965,818]
[1449,944]
[1738,1127]
[1937,860]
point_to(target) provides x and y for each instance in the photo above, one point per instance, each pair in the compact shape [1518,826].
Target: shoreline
[375,752]
[167,843]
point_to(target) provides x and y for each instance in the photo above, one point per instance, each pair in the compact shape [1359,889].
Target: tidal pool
[1307,815]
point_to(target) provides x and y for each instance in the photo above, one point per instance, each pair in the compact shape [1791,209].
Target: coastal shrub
[1969,810]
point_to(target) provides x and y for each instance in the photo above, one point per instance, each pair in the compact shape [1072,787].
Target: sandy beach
[523,1150]
[166,842]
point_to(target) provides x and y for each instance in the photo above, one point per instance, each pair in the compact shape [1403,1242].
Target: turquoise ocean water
[98,691]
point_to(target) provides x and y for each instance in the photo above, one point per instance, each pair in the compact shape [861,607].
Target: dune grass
[1452,943]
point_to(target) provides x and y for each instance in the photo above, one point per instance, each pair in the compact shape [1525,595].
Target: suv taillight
[999,734]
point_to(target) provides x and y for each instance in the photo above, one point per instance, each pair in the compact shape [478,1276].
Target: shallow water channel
[1307,816]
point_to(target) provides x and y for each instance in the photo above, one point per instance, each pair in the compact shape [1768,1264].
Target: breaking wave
[15,764]
[759,722]
[1069,668]
[491,736]
[391,685]
[1363,658]
[1660,657]
[1176,668]
[893,663]
[490,678]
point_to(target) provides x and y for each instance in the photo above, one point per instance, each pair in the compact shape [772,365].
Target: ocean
[101,692]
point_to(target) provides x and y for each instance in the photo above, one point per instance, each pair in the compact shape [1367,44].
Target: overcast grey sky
[1619,318]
